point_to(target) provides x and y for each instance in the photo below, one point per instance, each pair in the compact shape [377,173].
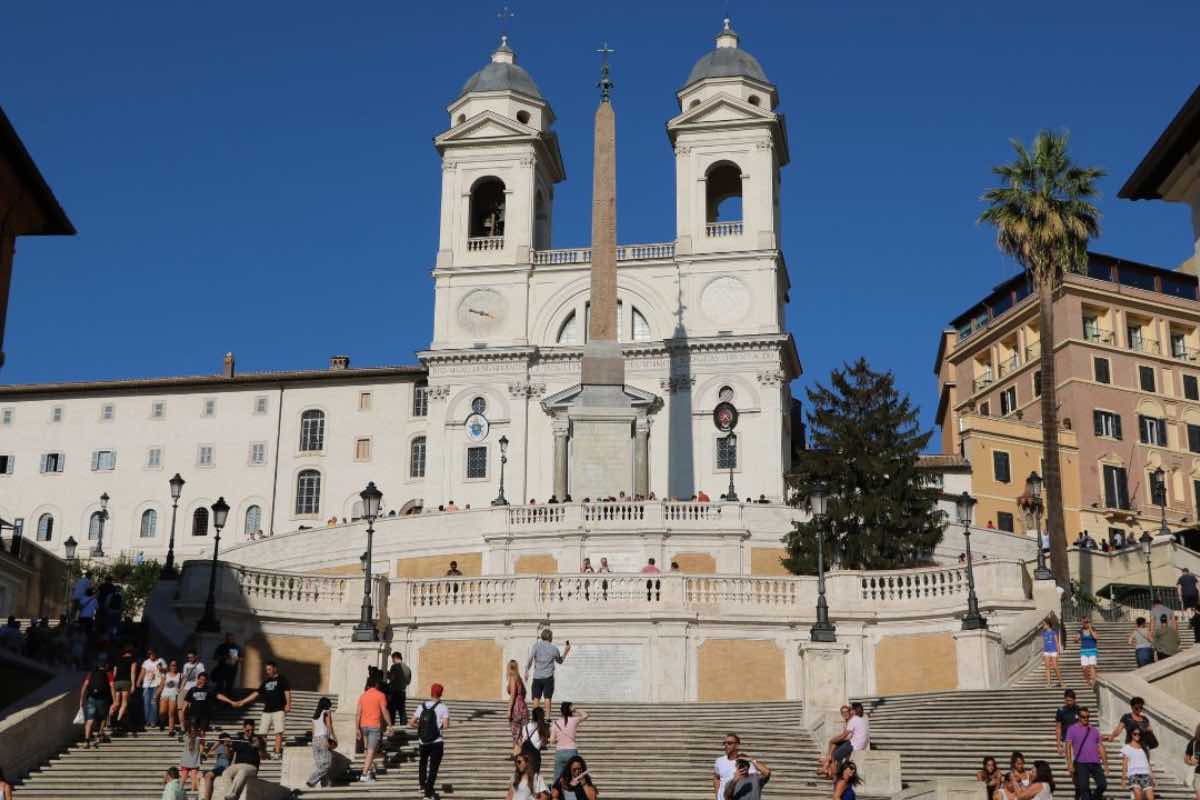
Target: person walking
[1134,720]
[95,700]
[1166,636]
[168,697]
[371,721]
[1064,718]
[746,785]
[78,592]
[1188,590]
[324,741]
[398,677]
[1143,644]
[527,783]
[1191,757]
[199,704]
[276,693]
[535,736]
[1089,652]
[221,754]
[150,678]
[226,658]
[562,736]
[1135,767]
[248,752]
[575,783]
[518,708]
[542,659]
[124,679]
[1086,760]
[173,785]
[431,720]
[1051,648]
[189,758]
[725,767]
[847,779]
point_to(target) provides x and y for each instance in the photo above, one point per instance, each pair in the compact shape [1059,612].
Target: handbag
[79,717]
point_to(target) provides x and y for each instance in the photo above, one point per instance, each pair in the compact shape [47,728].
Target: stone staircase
[634,752]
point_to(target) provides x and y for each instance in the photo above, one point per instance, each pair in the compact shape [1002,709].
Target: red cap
[436,690]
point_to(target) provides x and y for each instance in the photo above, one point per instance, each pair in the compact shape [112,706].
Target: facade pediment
[560,400]
[721,108]
[486,125]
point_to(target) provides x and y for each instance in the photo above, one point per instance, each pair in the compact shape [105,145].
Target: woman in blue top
[1088,652]
[848,778]
[1051,648]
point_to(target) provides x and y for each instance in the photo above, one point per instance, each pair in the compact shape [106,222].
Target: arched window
[487,208]
[416,458]
[95,522]
[200,522]
[725,395]
[149,528]
[723,192]
[641,328]
[541,223]
[253,519]
[356,510]
[568,332]
[45,528]
[312,431]
[308,492]
[726,453]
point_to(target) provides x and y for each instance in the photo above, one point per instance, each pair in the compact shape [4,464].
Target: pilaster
[980,658]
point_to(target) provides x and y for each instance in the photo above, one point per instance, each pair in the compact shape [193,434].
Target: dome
[727,61]
[502,75]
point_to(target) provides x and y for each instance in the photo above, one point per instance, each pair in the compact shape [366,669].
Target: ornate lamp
[822,630]
[168,571]
[209,622]
[365,631]
[973,621]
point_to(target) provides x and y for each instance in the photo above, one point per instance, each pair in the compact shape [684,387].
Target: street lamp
[500,499]
[98,550]
[973,621]
[1033,499]
[209,622]
[69,545]
[1160,484]
[365,631]
[822,630]
[1147,543]
[731,449]
[168,570]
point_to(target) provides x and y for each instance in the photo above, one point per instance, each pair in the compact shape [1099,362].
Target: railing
[1144,346]
[1183,352]
[719,229]
[614,512]
[1098,335]
[626,252]
[479,243]
[687,512]
[536,515]
[776,592]
[648,514]
[984,379]
[254,591]
[914,585]
[1009,364]
[1033,350]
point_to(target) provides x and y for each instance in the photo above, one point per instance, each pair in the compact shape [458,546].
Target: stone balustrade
[626,252]
[271,594]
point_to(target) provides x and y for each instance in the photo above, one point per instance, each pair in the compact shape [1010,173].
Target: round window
[479,405]
[726,394]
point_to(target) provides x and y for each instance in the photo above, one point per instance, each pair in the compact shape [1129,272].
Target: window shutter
[42,468]
[62,462]
[1116,426]
[113,460]
[1110,494]
[1122,488]
[1161,425]
[1097,423]
[11,461]
[95,460]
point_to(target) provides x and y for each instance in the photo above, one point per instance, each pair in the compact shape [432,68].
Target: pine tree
[863,449]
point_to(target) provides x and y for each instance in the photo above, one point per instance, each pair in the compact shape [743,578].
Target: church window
[308,492]
[95,522]
[723,192]
[149,527]
[479,405]
[523,117]
[253,519]
[420,400]
[476,462]
[726,453]
[754,100]
[726,394]
[568,332]
[641,328]
[312,431]
[200,522]
[416,458]
[487,208]
[45,528]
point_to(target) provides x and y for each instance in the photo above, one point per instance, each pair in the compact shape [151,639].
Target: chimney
[228,365]
[339,362]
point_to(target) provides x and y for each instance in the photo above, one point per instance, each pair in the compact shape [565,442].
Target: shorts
[371,737]
[543,687]
[269,720]
[843,751]
[1140,781]
[122,686]
[96,709]
[216,771]
[169,695]
[1190,600]
[1087,661]
[1051,654]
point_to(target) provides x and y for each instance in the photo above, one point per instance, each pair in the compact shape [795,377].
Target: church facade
[701,321]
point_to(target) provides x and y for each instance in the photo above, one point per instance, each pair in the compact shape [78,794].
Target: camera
[743,764]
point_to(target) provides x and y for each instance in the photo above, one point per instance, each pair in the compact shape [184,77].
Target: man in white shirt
[431,745]
[859,728]
[152,670]
[725,767]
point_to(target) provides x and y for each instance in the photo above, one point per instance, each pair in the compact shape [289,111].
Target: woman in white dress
[168,697]
[1135,767]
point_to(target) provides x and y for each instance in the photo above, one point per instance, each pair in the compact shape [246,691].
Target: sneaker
[369,779]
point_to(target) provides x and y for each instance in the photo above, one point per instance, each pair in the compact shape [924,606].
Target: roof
[727,62]
[12,151]
[206,381]
[499,76]
[943,461]
[1173,145]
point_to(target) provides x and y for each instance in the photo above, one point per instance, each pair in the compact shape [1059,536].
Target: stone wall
[741,670]
[303,659]
[469,669]
[924,662]
[469,564]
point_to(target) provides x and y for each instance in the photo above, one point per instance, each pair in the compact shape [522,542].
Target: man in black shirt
[1064,718]
[398,678]
[95,699]
[277,701]
[1189,592]
[248,749]
[225,664]
[199,704]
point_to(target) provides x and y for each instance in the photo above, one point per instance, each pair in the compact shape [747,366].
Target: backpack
[428,731]
[115,602]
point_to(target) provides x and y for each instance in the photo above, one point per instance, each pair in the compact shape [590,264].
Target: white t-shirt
[725,769]
[1138,763]
[522,791]
[860,731]
[532,735]
[152,671]
[190,673]
[442,712]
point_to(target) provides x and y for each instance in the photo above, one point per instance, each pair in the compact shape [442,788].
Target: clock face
[725,416]
[477,427]
[481,312]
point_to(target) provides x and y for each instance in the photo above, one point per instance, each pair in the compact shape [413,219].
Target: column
[562,428]
[641,456]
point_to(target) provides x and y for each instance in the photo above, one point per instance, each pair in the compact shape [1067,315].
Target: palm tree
[1043,216]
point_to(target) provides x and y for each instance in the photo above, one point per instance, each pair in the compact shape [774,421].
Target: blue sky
[259,177]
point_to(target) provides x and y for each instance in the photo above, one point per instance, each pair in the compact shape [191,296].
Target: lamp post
[1160,485]
[168,570]
[822,630]
[731,495]
[98,550]
[365,631]
[1147,543]
[500,499]
[69,545]
[1033,496]
[973,621]
[209,622]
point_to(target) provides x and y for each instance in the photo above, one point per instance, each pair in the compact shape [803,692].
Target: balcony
[1009,365]
[1182,352]
[984,379]
[478,244]
[583,255]
[1149,346]
[1033,350]
[721,229]
[1099,336]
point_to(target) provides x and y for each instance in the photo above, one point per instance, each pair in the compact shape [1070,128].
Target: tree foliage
[863,451]
[137,581]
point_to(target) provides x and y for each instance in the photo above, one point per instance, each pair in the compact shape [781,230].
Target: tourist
[324,741]
[562,736]
[1188,590]
[221,754]
[152,670]
[1089,653]
[173,785]
[371,720]
[839,747]
[604,565]
[276,692]
[762,500]
[198,704]
[527,783]
[847,779]
[1191,757]
[193,668]
[575,782]
[453,571]
[586,569]
[747,785]
[1135,767]
[725,767]
[535,736]
[1041,783]
[1134,720]
[674,566]
[1016,765]
[95,700]
[225,659]
[79,592]
[1086,759]
[431,721]
[189,758]
[1142,642]
[1051,648]
[1064,718]
[124,678]
[451,507]
[518,708]
[651,568]
[1166,637]
[990,776]
[543,657]
[168,698]
[702,497]
[248,752]
[399,676]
